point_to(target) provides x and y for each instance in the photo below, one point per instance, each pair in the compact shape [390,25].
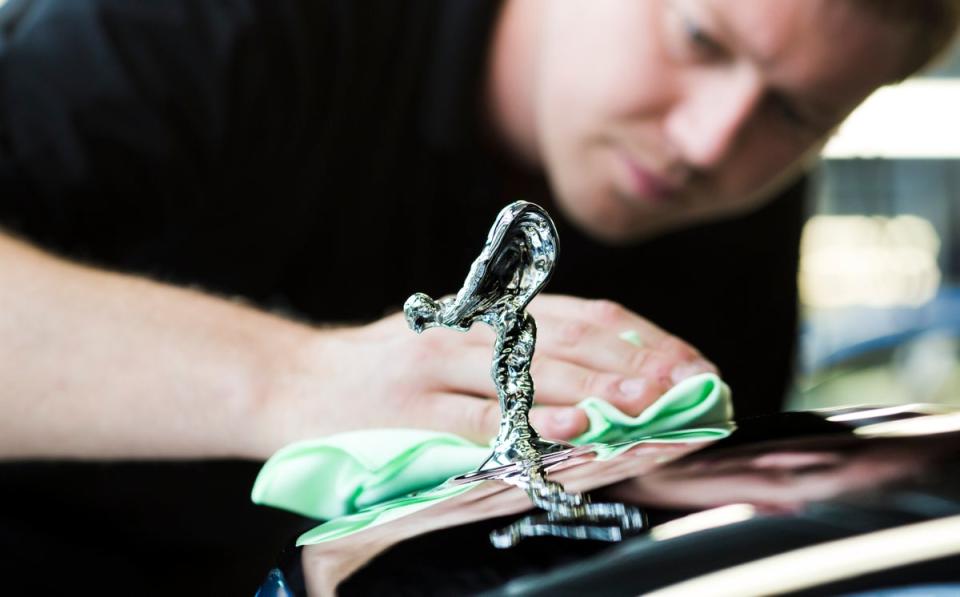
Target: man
[329,158]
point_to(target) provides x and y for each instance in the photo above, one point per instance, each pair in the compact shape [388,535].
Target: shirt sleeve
[111,108]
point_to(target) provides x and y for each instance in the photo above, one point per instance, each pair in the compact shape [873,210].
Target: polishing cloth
[347,473]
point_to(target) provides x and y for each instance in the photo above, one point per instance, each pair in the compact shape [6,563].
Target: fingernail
[685,370]
[564,417]
[539,417]
[633,388]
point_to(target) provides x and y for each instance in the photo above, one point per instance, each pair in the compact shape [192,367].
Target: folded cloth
[342,474]
[699,400]
[381,513]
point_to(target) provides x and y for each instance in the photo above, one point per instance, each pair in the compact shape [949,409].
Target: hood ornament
[516,263]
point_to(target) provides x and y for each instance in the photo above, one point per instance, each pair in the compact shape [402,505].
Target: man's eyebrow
[811,107]
[731,36]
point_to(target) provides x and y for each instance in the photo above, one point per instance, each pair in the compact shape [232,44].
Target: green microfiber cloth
[696,401]
[359,471]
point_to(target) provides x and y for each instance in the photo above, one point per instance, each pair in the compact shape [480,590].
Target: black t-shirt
[320,155]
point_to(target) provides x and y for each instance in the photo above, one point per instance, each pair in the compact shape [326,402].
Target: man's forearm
[102,365]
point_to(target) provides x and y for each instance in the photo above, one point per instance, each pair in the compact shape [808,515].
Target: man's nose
[708,121]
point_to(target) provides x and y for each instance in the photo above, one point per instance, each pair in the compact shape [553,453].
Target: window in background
[880,258]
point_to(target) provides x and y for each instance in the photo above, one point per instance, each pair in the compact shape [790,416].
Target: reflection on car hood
[795,479]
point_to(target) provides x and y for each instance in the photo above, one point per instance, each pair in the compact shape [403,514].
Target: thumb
[478,419]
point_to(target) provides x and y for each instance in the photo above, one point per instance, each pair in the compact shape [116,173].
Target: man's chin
[617,229]
[609,221]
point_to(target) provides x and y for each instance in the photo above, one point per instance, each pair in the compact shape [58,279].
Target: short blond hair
[930,24]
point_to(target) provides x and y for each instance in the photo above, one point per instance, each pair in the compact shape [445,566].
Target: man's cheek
[765,169]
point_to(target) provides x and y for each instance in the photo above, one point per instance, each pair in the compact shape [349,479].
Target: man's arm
[108,109]
[100,365]
[97,364]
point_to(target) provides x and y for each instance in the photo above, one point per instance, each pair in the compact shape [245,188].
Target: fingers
[478,419]
[559,422]
[561,383]
[461,395]
[670,362]
[599,312]
[607,337]
[581,351]
[464,370]
[662,358]
[587,345]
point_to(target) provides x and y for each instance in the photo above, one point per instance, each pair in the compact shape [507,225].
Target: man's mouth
[649,183]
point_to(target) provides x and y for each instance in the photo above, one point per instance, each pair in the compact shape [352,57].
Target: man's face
[655,114]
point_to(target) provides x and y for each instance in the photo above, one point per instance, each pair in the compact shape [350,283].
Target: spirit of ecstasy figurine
[515,264]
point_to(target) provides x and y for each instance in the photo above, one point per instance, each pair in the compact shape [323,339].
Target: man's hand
[105,365]
[384,375]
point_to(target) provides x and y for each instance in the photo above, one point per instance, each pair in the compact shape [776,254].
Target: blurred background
[880,258]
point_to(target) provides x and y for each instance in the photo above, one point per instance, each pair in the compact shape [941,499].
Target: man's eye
[702,41]
[791,114]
